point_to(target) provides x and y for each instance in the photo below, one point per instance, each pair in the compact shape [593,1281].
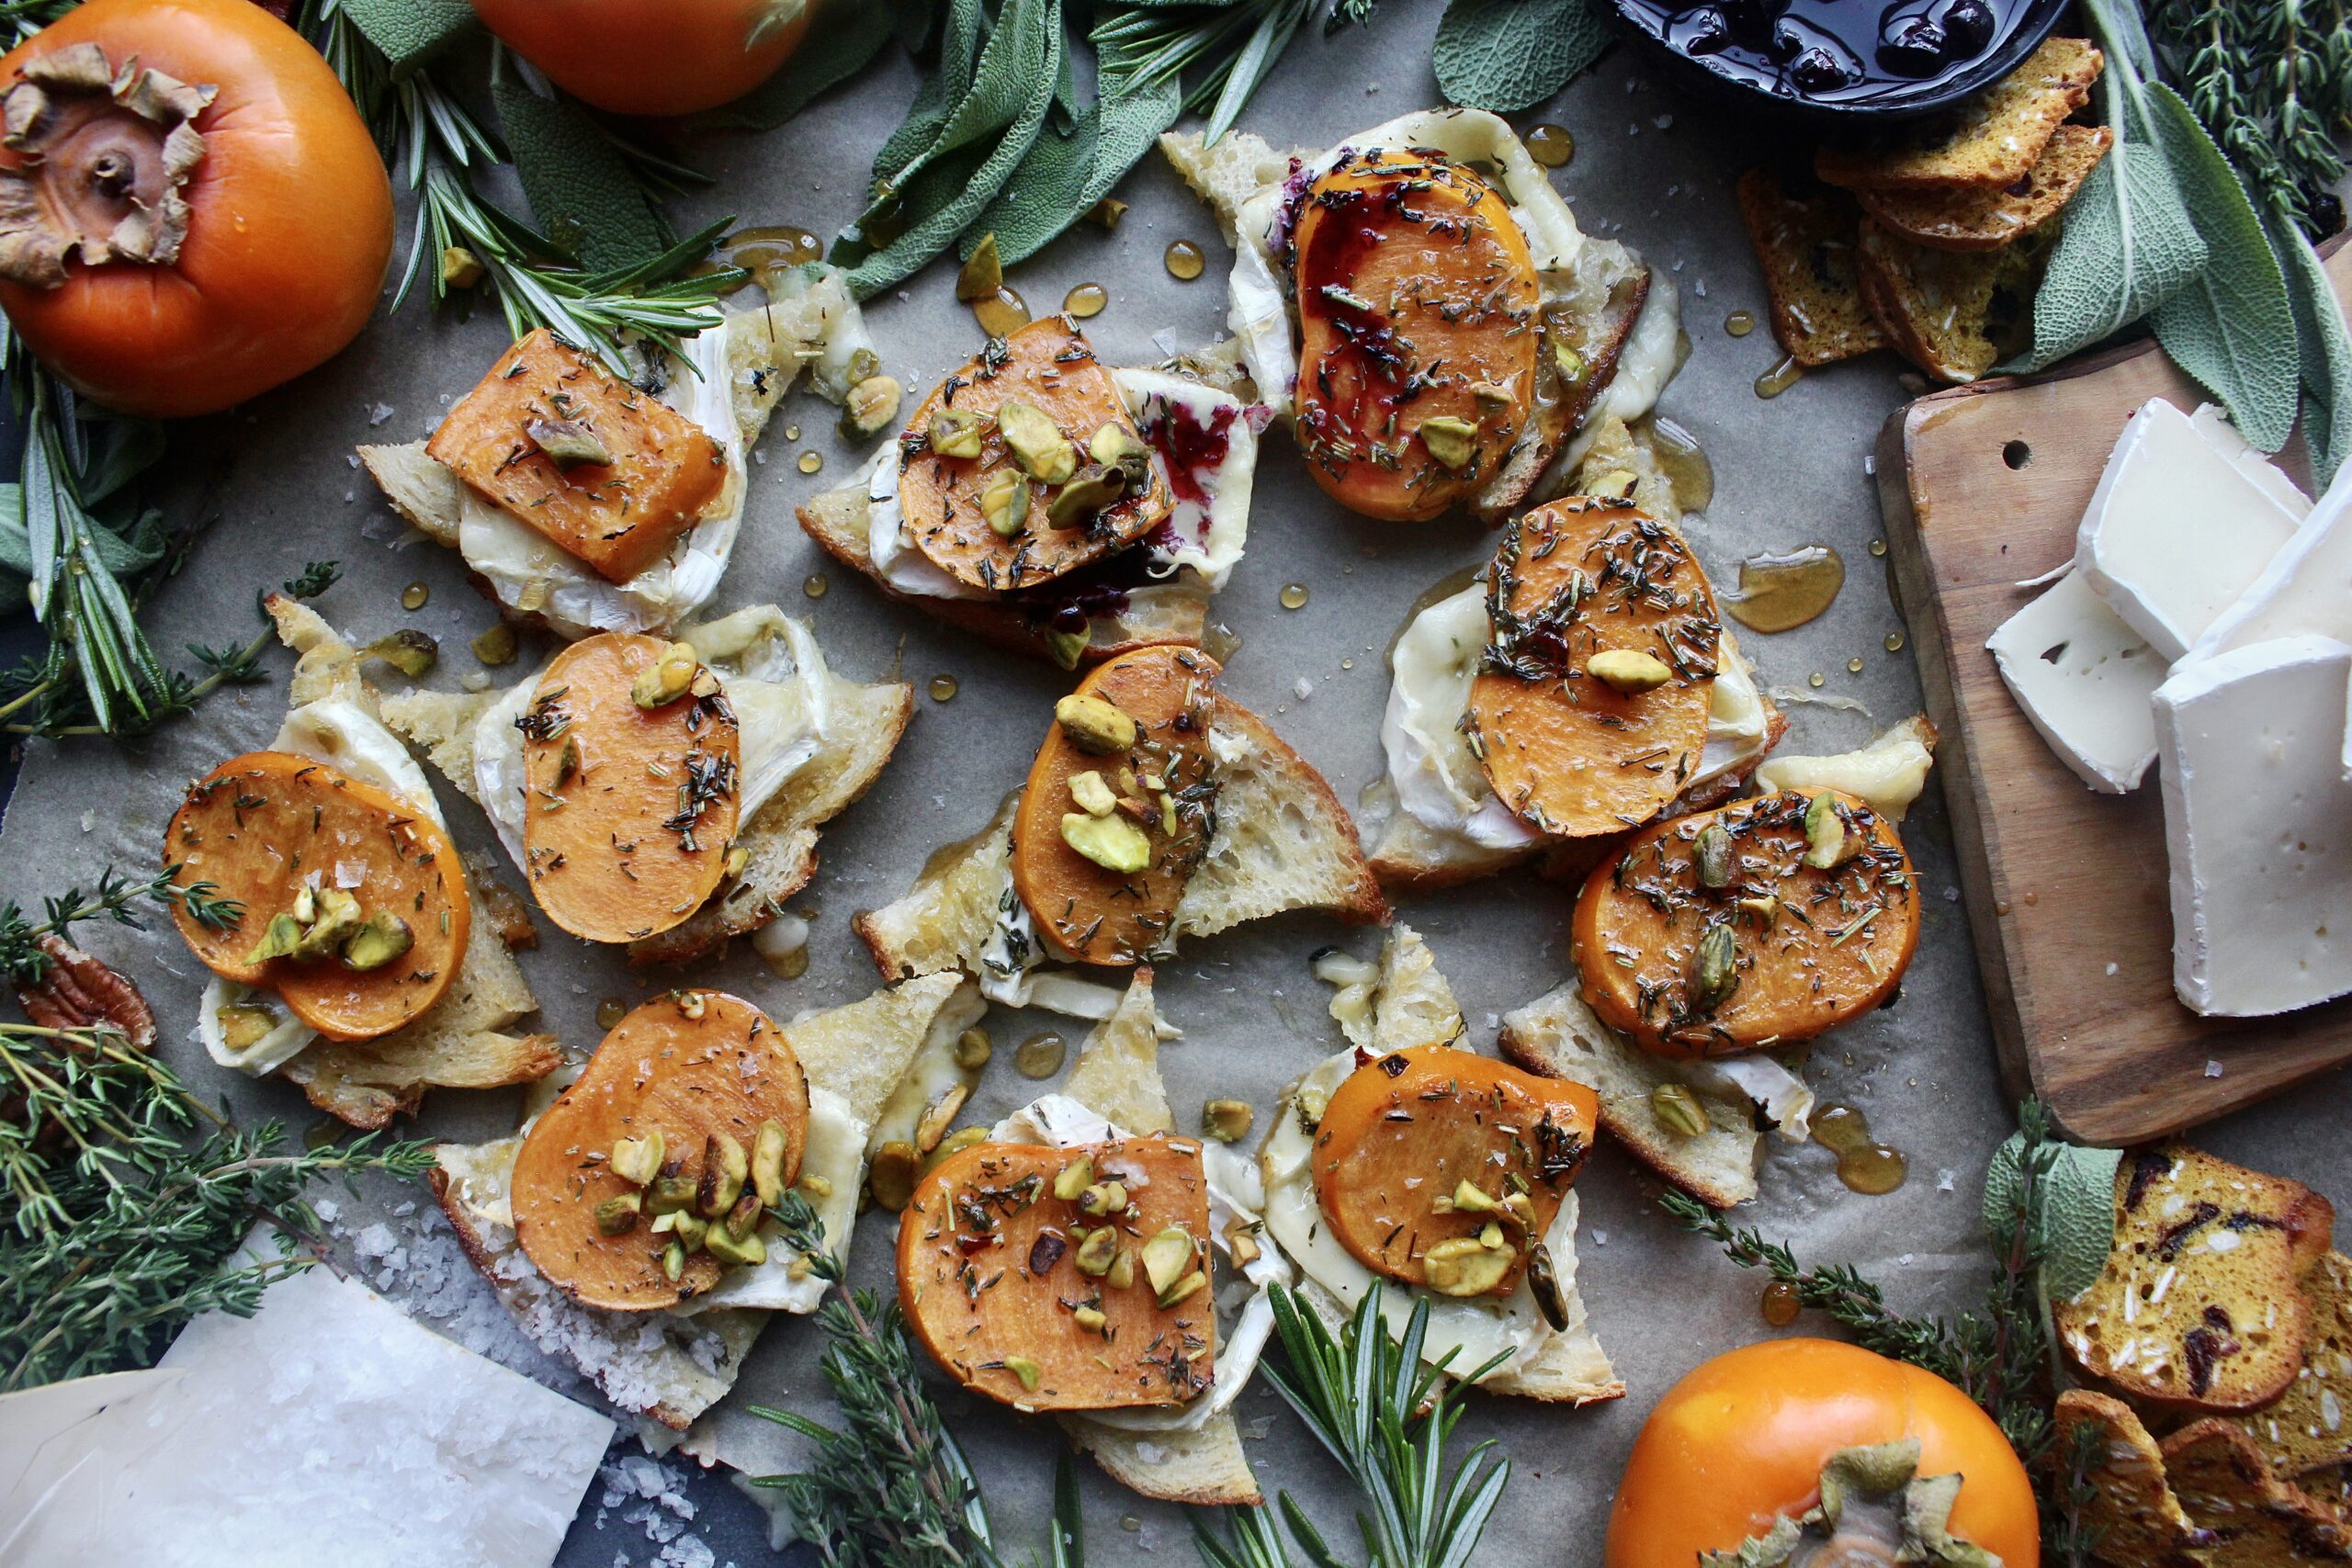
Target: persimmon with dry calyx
[1442,1168]
[1589,711]
[607,474]
[1418,332]
[1758,924]
[1752,1443]
[1058,1279]
[1046,418]
[1106,840]
[631,763]
[317,858]
[652,57]
[689,1078]
[191,212]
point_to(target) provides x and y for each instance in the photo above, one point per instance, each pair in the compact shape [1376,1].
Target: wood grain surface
[2067,890]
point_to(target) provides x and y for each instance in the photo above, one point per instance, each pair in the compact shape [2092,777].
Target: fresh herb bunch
[2272,80]
[2049,1212]
[1386,1416]
[23,960]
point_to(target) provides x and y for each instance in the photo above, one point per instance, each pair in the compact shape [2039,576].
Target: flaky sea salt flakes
[379,413]
[2213,1069]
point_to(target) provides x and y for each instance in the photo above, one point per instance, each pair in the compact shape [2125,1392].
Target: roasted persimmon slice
[630,809]
[1714,933]
[690,1066]
[610,475]
[1164,809]
[1048,366]
[1420,1151]
[1572,752]
[265,827]
[1418,332]
[1025,1294]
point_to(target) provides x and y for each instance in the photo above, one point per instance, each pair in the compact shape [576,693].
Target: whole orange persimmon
[1740,1447]
[191,210]
[652,57]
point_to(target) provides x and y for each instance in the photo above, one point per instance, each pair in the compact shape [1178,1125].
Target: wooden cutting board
[2067,890]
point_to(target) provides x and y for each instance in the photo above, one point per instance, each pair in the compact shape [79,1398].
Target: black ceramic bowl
[1723,48]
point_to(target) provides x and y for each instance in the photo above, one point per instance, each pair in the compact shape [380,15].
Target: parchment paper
[1652,168]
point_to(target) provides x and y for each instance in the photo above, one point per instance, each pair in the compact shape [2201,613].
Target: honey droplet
[1086,300]
[1894,642]
[1854,665]
[1864,1165]
[1130,1523]
[811,461]
[1780,1305]
[1684,462]
[1814,679]
[1780,378]
[1040,1055]
[321,1133]
[943,688]
[1739,323]
[1779,591]
[815,585]
[792,433]
[1002,314]
[791,963]
[610,1011]
[1293,596]
[1347,663]
[766,252]
[1878,547]
[413,596]
[1184,260]
[1551,145]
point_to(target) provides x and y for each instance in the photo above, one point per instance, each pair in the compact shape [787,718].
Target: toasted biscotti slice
[2306,1429]
[1954,314]
[1992,139]
[865,723]
[2203,1303]
[2256,1519]
[2140,1523]
[1807,245]
[673,1365]
[463,1041]
[1985,218]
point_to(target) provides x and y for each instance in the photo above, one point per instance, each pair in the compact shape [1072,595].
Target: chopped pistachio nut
[1241,1243]
[872,406]
[1714,969]
[725,1166]
[1190,1284]
[1617,484]
[939,1118]
[1004,502]
[667,679]
[384,938]
[1037,442]
[1095,797]
[1073,1178]
[1030,1373]
[278,940]
[973,1049]
[1103,1199]
[815,1186]
[1089,490]
[1168,1257]
[408,650]
[982,273]
[689,1228]
[1066,649]
[1490,395]
[1543,1284]
[690,1005]
[1091,1319]
[1678,1110]
[1453,442]
[673,1260]
[1112,843]
[891,1179]
[956,1142]
[1098,1252]
[1465,1266]
[768,1149]
[746,1251]
[745,1217]
[1227,1121]
[1568,362]
[1122,452]
[1763,912]
[1628,670]
[460,268]
[1715,856]
[339,919]
[1168,819]
[1469,1198]
[739,860]
[671,1193]
[1827,844]
[957,433]
[1106,213]
[569,443]
[244,1024]
[618,1215]
[1095,725]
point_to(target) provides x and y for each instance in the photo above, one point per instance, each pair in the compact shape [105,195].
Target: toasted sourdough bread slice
[1282,842]
[1992,139]
[2140,1523]
[673,1366]
[1807,247]
[1985,218]
[462,1042]
[2256,1520]
[1951,313]
[1118,1078]
[2202,1304]
[780,838]
[1171,612]
[2305,1428]
[1409,1003]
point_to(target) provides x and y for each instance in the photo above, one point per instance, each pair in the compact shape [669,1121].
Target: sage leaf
[2232,327]
[2072,1194]
[2127,244]
[1064,177]
[842,41]
[1507,54]
[409,32]
[583,195]
[2325,351]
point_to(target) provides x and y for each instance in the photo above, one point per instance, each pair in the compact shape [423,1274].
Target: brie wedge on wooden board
[2084,678]
[2258,823]
[2184,518]
[2306,589]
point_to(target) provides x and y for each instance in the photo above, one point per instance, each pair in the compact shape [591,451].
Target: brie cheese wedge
[2306,589]
[2084,678]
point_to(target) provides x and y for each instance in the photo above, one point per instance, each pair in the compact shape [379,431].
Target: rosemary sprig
[1224,52]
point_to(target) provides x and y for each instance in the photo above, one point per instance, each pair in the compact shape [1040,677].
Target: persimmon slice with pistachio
[982,486]
[1056,1279]
[1589,711]
[314,856]
[1442,1168]
[1119,806]
[675,1083]
[1759,924]
[1418,332]
[631,768]
[608,474]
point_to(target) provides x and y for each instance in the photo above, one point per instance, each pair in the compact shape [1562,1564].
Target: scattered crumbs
[2213,1069]
[1947,1180]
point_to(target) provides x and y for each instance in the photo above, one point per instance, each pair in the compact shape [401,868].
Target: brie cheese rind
[727,380]
[1208,524]
[673,1364]
[2083,679]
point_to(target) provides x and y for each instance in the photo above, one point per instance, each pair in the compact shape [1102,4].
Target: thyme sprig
[2272,80]
[114,898]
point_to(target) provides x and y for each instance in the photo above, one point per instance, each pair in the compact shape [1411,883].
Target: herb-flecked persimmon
[191,210]
[651,57]
[1811,1453]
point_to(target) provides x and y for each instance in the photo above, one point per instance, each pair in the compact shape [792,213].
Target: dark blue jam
[1832,51]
